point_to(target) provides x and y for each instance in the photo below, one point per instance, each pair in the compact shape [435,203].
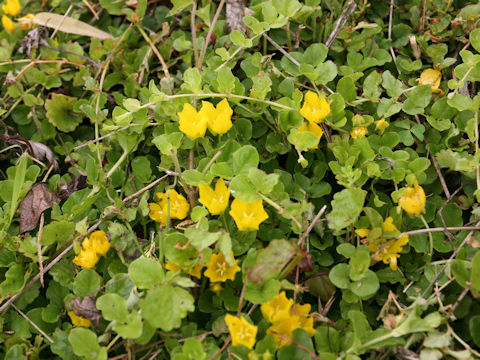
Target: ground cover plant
[261,180]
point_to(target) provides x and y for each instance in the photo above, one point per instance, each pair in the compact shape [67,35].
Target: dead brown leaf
[86,308]
[38,199]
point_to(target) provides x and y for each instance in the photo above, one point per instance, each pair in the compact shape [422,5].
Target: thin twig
[312,224]
[282,50]
[455,253]
[33,324]
[460,298]
[92,10]
[193,29]
[209,34]
[61,22]
[390,23]
[300,346]
[155,50]
[39,248]
[440,229]
[149,186]
[242,294]
[222,349]
[212,161]
[347,12]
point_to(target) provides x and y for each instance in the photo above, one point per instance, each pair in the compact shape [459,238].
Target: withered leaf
[86,308]
[77,183]
[38,199]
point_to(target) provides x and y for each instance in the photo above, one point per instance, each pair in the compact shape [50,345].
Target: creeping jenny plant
[292,180]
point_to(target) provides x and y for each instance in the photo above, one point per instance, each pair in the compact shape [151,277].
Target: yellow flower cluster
[79,320]
[169,203]
[92,248]
[219,270]
[241,331]
[286,317]
[413,202]
[389,249]
[247,216]
[358,132]
[12,8]
[194,124]
[315,110]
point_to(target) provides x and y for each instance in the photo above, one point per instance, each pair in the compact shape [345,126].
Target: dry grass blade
[69,25]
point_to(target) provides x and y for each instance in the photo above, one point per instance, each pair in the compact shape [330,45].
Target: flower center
[243,333]
[221,268]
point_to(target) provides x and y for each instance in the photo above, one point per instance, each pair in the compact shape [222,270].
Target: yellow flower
[242,332]
[305,321]
[78,320]
[381,124]
[157,213]
[388,252]
[248,216]
[216,288]
[11,7]
[413,202]
[358,132]
[284,328]
[431,77]
[8,24]
[277,309]
[86,259]
[215,201]
[195,271]
[178,204]
[313,128]
[193,123]
[26,22]
[314,109]
[219,270]
[97,242]
[220,120]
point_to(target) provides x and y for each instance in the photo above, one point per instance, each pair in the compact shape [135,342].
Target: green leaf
[165,306]
[261,85]
[262,182]
[326,71]
[57,232]
[87,283]
[113,307]
[340,276]
[474,326]
[84,343]
[195,177]
[192,80]
[367,286]
[393,86]
[260,294]
[461,102]
[287,8]
[475,41]
[296,351]
[146,272]
[245,158]
[417,100]
[346,207]
[225,80]
[132,105]
[359,264]
[132,328]
[270,261]
[346,87]
[315,54]
[239,39]
[179,5]
[243,189]
[60,112]
[371,86]
[302,140]
[201,239]
[141,168]
[474,278]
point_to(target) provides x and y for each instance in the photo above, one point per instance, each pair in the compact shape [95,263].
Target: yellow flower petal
[157,213]
[248,216]
[358,132]
[78,320]
[277,309]
[26,22]
[97,242]
[191,123]
[314,109]
[221,120]
[86,259]
[284,328]
[8,24]
[431,77]
[362,232]
[219,270]
[195,271]
[242,332]
[216,201]
[413,202]
[381,124]
[179,207]
[11,7]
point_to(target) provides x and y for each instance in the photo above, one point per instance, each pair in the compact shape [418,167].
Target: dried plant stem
[347,12]
[33,324]
[312,224]
[440,229]
[209,34]
[39,248]
[193,29]
[149,186]
[155,50]
[301,347]
[282,50]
